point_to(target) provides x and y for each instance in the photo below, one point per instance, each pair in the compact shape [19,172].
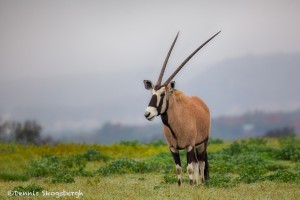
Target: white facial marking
[150,113]
[158,95]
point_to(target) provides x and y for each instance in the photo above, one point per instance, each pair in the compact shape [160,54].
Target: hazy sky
[49,47]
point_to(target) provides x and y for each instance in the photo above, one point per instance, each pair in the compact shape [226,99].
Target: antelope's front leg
[192,164]
[175,154]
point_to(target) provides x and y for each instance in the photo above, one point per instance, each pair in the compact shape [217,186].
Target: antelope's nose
[147,114]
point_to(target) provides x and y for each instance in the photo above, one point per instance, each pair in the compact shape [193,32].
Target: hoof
[191,182]
[179,182]
[195,182]
[206,177]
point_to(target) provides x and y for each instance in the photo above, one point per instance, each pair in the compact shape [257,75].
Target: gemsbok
[186,121]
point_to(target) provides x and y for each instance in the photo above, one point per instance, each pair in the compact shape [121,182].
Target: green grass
[245,169]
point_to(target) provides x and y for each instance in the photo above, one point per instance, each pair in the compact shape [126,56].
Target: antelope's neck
[174,108]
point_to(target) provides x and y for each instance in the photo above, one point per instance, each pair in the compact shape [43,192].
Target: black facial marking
[153,101]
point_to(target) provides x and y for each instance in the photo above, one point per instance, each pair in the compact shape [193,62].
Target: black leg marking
[190,156]
[206,170]
[176,157]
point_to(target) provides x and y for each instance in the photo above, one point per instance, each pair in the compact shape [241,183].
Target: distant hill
[228,128]
[254,124]
[269,83]
[110,133]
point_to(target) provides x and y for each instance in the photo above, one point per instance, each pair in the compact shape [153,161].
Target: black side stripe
[198,144]
[164,118]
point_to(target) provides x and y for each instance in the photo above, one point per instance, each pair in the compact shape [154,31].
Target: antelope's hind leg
[202,157]
[196,172]
[176,156]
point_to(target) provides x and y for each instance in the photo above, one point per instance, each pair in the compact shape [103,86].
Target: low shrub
[254,142]
[215,141]
[125,165]
[290,152]
[62,177]
[133,143]
[157,143]
[170,179]
[47,165]
[234,148]
[284,176]
[162,162]
[95,155]
[13,177]
[220,180]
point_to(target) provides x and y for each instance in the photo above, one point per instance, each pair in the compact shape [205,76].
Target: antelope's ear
[148,84]
[172,85]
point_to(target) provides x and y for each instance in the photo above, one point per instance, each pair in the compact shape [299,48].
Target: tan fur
[189,118]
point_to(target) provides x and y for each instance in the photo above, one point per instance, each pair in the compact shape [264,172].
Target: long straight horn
[187,59]
[166,61]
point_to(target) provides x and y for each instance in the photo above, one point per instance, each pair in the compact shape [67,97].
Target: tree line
[27,132]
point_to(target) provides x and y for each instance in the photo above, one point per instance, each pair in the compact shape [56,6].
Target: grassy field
[246,169]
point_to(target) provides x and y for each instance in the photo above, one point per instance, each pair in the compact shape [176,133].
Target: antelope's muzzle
[150,113]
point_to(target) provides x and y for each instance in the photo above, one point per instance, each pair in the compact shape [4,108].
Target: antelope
[186,121]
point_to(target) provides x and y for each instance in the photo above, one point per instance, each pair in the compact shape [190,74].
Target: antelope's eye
[162,94]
